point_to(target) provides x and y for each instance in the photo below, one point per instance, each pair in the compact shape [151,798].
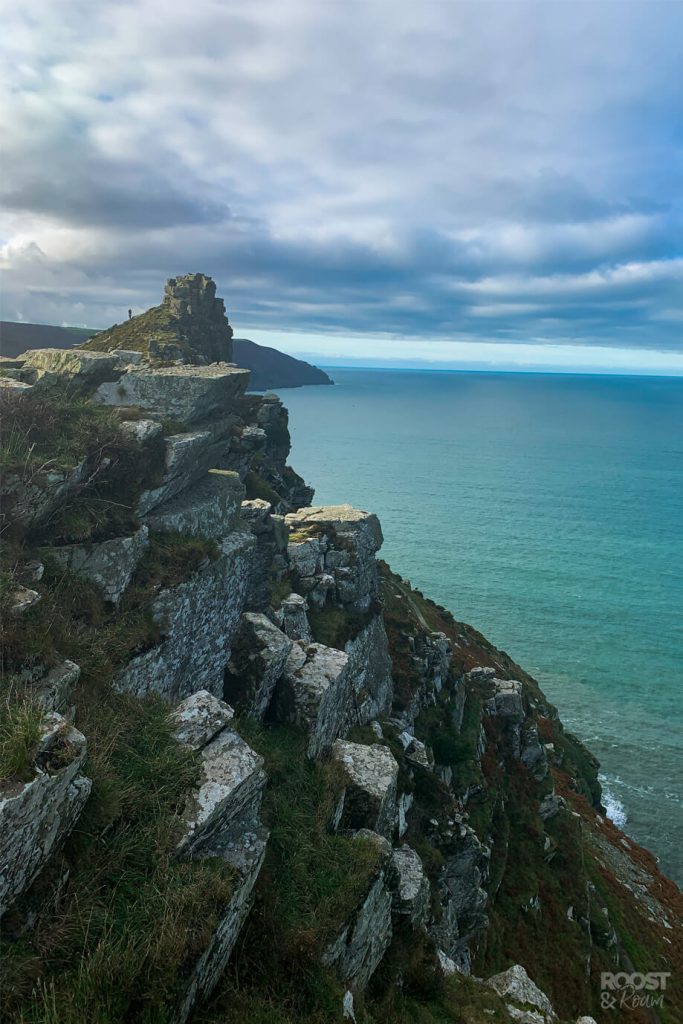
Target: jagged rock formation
[240,662]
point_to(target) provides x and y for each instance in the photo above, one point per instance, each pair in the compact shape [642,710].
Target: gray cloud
[500,171]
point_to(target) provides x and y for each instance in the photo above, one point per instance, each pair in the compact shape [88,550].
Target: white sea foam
[614,808]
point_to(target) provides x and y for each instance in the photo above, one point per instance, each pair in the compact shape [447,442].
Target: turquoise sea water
[547,511]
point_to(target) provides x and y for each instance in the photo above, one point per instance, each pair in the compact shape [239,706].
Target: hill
[269,368]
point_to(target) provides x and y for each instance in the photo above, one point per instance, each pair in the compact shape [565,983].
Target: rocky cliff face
[246,771]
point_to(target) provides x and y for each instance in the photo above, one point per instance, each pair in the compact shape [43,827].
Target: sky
[368,181]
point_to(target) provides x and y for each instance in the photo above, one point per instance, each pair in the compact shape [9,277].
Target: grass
[257,487]
[311,881]
[20,732]
[334,627]
[119,943]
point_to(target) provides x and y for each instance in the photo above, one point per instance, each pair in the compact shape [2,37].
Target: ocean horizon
[545,509]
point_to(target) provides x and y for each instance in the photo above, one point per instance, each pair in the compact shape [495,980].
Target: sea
[546,510]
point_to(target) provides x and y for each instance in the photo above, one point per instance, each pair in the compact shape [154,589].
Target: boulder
[109,565]
[411,895]
[199,718]
[227,797]
[141,431]
[197,620]
[507,699]
[208,509]
[516,987]
[187,394]
[35,816]
[550,805]
[91,367]
[259,654]
[314,693]
[30,498]
[371,778]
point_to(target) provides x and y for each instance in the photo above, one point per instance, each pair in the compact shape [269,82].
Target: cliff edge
[247,772]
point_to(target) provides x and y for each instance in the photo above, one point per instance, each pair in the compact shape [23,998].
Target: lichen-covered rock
[431,661]
[35,816]
[369,668]
[91,367]
[340,542]
[199,718]
[314,693]
[54,689]
[188,394]
[461,894]
[507,700]
[21,599]
[362,942]
[259,654]
[516,988]
[197,620]
[29,499]
[411,895]
[550,806]
[220,820]
[532,750]
[293,618]
[188,458]
[371,777]
[246,856]
[227,796]
[270,561]
[208,509]
[109,565]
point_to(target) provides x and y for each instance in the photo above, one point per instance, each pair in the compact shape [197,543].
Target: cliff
[247,772]
[272,369]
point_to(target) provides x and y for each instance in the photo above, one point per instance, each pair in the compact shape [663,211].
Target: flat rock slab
[109,565]
[92,367]
[35,816]
[371,774]
[259,654]
[54,689]
[188,394]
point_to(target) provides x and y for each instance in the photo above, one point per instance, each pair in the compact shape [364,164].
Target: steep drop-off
[247,773]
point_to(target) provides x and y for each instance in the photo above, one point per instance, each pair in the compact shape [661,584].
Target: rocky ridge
[248,773]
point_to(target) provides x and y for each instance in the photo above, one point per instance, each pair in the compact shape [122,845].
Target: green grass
[257,487]
[133,920]
[311,881]
[334,627]
[20,730]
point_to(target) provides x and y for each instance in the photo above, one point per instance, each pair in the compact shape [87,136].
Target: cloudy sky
[468,183]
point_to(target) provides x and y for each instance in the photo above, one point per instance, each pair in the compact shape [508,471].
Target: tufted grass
[20,723]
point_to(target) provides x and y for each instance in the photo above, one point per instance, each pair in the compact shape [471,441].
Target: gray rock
[363,940]
[270,561]
[259,654]
[141,431]
[533,751]
[447,966]
[515,986]
[31,498]
[22,599]
[54,689]
[371,774]
[199,718]
[197,619]
[36,816]
[461,893]
[91,367]
[109,565]
[10,384]
[227,797]
[507,700]
[314,693]
[246,856]
[208,509]
[550,805]
[369,667]
[294,618]
[411,896]
[188,394]
[340,542]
